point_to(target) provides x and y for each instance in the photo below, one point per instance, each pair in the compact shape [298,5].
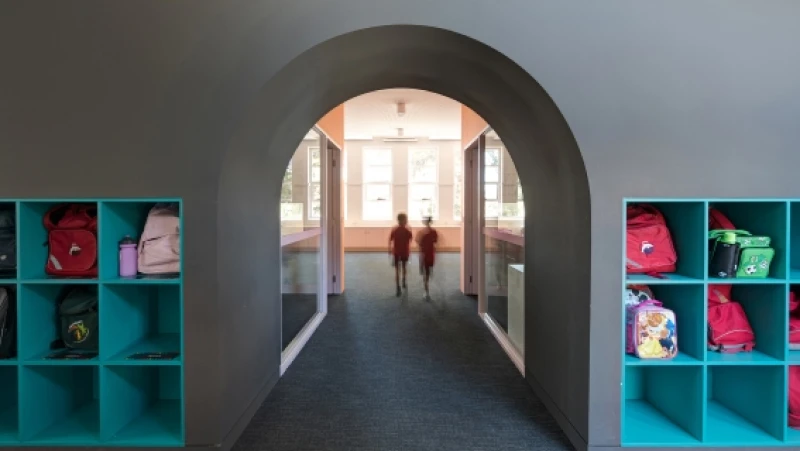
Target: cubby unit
[746,405]
[121,219]
[704,398]
[686,221]
[33,242]
[40,325]
[142,405]
[88,398]
[765,307]
[140,319]
[663,406]
[8,404]
[760,218]
[59,405]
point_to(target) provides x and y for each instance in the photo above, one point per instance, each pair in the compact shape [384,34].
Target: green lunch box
[754,262]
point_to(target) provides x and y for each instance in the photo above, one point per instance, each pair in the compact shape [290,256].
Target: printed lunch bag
[649,247]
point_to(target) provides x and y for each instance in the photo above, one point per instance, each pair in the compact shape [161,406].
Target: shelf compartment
[9,238]
[746,405]
[663,406]
[761,218]
[39,324]
[140,318]
[8,404]
[794,240]
[33,240]
[120,219]
[686,221]
[687,301]
[765,306]
[142,405]
[13,298]
[59,405]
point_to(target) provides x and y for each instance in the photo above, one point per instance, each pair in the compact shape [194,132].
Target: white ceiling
[427,115]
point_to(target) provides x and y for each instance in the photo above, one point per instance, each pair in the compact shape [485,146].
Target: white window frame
[287,213]
[367,184]
[312,183]
[498,183]
[414,213]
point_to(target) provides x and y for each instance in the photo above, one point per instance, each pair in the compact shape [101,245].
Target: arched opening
[552,176]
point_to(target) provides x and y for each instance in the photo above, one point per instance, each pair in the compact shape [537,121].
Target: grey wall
[155,98]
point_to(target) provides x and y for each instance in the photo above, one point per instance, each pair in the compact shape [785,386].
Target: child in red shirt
[426,240]
[400,248]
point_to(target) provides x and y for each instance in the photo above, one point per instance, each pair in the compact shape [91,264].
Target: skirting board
[574,437]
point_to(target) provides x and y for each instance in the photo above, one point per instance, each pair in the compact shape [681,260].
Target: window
[491,183]
[423,182]
[458,184]
[377,184]
[314,183]
[290,211]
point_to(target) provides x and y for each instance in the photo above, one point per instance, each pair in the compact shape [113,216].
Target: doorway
[553,178]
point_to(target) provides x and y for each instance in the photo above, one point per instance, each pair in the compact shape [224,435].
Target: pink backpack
[159,246]
[651,331]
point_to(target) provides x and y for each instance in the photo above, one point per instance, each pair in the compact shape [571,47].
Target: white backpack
[159,246]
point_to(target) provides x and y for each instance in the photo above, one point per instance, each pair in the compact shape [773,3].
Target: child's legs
[404,264]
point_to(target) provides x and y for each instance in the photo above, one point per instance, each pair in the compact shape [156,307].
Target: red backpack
[72,239]
[718,221]
[794,397]
[729,330]
[649,244]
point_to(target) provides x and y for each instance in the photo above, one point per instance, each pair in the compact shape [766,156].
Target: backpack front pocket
[71,251]
[79,331]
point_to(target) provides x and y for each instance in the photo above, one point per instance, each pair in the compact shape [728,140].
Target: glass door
[303,202]
[502,212]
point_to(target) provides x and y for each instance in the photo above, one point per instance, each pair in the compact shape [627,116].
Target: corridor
[384,373]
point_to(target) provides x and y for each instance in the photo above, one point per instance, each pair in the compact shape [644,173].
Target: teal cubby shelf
[9,386]
[109,400]
[140,318]
[703,398]
[144,401]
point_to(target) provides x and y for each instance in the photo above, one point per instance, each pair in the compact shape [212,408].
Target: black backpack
[8,323]
[78,320]
[8,241]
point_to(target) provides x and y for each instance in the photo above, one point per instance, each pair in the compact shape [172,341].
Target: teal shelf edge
[721,426]
[682,359]
[163,424]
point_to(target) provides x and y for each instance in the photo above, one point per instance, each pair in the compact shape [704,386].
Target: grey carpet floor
[384,373]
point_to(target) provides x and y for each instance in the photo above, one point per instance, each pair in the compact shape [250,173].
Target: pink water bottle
[128,257]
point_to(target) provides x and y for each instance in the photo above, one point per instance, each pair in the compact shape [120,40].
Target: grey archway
[551,169]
